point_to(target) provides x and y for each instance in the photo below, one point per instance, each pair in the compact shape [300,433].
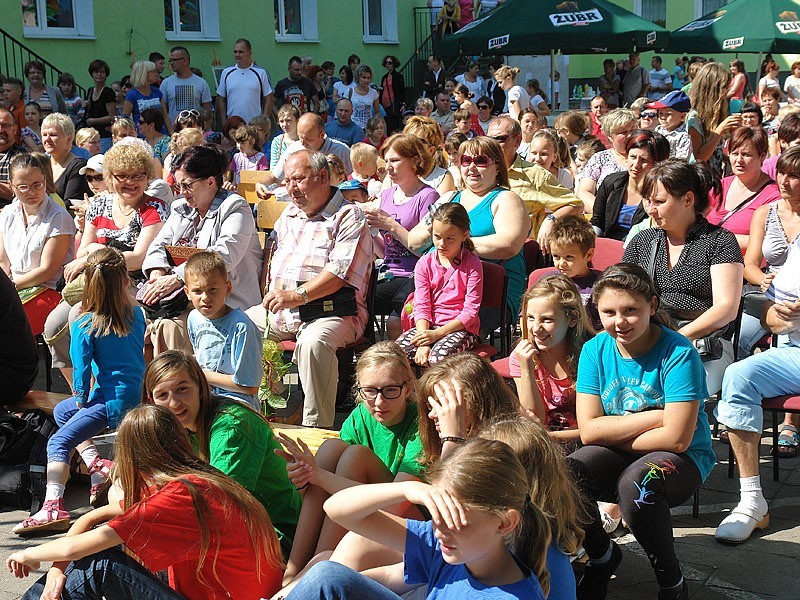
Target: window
[703,7]
[380,21]
[652,10]
[58,18]
[296,21]
[191,19]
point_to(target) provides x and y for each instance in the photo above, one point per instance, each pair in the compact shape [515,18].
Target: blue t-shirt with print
[671,371]
[141,102]
[230,345]
[424,564]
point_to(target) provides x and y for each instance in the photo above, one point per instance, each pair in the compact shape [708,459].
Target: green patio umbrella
[545,26]
[742,26]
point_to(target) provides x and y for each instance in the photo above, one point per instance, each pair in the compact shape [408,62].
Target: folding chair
[495,295]
[607,252]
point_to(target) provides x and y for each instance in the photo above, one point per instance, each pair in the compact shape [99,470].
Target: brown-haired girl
[545,362]
[448,289]
[107,344]
[180,514]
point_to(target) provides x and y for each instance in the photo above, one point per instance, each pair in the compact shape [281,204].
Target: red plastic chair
[495,295]
[534,259]
[502,366]
[607,252]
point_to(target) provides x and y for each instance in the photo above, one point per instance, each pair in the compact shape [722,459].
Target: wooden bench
[45,401]
[312,436]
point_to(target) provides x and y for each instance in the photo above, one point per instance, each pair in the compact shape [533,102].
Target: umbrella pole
[553,79]
[758,74]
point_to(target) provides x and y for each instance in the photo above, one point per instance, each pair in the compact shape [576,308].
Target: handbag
[73,291]
[341,303]
[169,307]
[708,347]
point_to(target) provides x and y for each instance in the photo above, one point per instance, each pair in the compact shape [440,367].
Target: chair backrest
[538,274]
[495,295]
[607,252]
[268,211]
[533,256]
[247,185]
[369,331]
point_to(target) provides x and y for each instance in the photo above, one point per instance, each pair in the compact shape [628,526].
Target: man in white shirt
[244,89]
[183,90]
[660,79]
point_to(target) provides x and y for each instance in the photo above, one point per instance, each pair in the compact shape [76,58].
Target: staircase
[14,54]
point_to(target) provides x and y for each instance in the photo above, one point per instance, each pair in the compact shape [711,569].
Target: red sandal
[98,494]
[56,521]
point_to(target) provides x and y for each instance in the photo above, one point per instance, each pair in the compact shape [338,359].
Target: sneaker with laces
[594,583]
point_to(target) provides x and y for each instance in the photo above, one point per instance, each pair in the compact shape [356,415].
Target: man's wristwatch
[301,291]
[551,217]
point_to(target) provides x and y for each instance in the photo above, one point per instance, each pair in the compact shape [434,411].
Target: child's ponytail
[105,293]
[532,540]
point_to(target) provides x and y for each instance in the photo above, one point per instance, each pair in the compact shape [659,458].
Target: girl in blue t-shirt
[647,442]
[107,346]
[486,537]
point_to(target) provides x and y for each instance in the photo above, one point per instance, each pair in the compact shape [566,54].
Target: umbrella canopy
[541,27]
[743,26]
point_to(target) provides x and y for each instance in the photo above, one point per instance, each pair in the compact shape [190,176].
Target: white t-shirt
[477,88]
[363,106]
[785,287]
[661,79]
[243,90]
[792,87]
[522,97]
[343,89]
[184,94]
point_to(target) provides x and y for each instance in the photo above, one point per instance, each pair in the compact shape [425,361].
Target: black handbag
[168,307]
[341,303]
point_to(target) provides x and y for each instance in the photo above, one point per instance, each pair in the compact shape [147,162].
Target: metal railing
[425,39]
[14,56]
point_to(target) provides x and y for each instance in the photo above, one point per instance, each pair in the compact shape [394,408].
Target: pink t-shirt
[558,396]
[442,295]
[739,222]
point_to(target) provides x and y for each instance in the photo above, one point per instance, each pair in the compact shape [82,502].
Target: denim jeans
[105,144]
[331,581]
[75,425]
[108,574]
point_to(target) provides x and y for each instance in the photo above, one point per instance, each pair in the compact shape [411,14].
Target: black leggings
[645,487]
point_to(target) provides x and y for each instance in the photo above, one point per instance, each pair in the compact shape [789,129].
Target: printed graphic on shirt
[184,97]
[294,95]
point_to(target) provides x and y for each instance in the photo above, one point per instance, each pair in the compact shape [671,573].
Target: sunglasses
[647,115]
[91,178]
[483,107]
[188,114]
[134,177]
[499,138]
[480,161]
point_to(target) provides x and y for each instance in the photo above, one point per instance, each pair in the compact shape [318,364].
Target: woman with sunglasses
[208,217]
[125,218]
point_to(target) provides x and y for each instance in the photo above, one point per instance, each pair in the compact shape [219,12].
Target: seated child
[338,170]
[249,157]
[375,132]
[452,145]
[586,150]
[88,138]
[122,127]
[226,342]
[672,110]
[263,127]
[365,166]
[448,291]
[462,122]
[572,241]
[544,364]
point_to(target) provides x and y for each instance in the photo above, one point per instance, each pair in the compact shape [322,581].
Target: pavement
[761,568]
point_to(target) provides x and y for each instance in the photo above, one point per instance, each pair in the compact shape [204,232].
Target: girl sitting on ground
[211,535]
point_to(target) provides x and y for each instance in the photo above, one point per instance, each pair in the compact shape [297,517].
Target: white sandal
[739,525]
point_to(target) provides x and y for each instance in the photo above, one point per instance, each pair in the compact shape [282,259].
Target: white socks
[88,455]
[752,498]
[53,491]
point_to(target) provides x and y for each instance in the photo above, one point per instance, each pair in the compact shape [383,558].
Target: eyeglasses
[6,125]
[135,177]
[563,130]
[91,178]
[186,185]
[647,115]
[483,106]
[174,60]
[480,161]
[390,392]
[188,114]
[499,138]
[24,189]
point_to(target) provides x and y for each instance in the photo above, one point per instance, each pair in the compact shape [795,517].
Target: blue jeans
[105,144]
[75,425]
[108,574]
[331,581]
[747,382]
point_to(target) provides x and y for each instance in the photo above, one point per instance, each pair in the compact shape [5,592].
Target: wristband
[453,438]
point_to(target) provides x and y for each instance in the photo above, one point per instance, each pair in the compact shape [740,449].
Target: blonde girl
[485,531]
[545,362]
[516,95]
[338,170]
[550,151]
[107,345]
[552,489]
[36,237]
[122,127]
[378,442]
[179,514]
[288,115]
[88,138]
[640,390]
[430,132]
[448,289]
[529,123]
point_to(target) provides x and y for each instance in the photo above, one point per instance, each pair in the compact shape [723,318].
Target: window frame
[83,17]
[698,8]
[638,9]
[209,23]
[389,23]
[309,24]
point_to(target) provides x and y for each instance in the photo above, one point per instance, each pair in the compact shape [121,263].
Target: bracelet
[453,438]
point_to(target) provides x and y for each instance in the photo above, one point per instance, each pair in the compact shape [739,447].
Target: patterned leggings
[452,343]
[645,487]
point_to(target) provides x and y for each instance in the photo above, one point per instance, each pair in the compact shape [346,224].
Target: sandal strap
[748,512]
[100,465]
[788,436]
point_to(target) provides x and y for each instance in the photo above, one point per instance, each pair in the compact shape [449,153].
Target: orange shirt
[19,116]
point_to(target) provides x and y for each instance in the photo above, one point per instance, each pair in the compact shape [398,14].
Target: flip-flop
[788,441]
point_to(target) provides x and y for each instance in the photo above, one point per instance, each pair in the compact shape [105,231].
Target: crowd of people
[125,244]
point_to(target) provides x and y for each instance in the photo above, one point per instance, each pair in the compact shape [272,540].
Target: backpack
[23,458]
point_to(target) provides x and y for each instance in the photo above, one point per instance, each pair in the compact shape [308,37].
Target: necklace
[122,212]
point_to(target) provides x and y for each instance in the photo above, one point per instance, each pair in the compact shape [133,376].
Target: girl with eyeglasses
[36,237]
[378,443]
